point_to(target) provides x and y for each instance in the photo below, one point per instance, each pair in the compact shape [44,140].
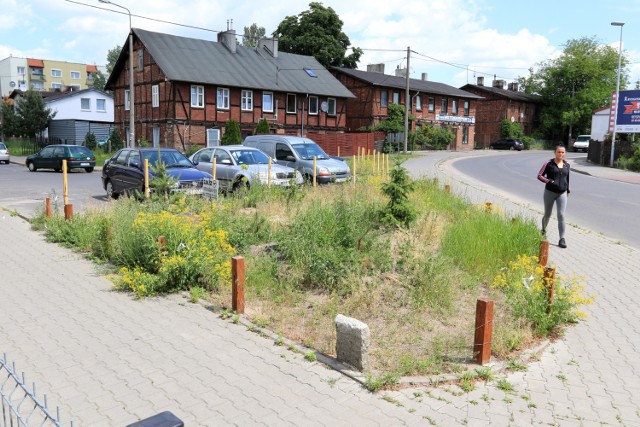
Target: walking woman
[555,174]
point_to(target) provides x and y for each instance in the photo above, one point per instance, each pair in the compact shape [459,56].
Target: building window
[384,99]
[140,60]
[56,85]
[444,107]
[396,97]
[56,73]
[101,105]
[418,103]
[37,85]
[74,87]
[313,105]
[432,104]
[292,104]
[513,106]
[75,75]
[247,100]
[267,102]
[466,108]
[85,104]
[21,71]
[331,107]
[127,100]
[223,98]
[465,134]
[197,96]
[155,96]
[454,107]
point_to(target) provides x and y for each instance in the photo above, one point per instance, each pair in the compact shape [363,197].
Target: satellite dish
[324,106]
[12,83]
[513,119]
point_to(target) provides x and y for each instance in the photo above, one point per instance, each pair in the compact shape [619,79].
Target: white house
[80,112]
[600,123]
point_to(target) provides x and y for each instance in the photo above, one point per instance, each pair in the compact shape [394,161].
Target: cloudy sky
[453,41]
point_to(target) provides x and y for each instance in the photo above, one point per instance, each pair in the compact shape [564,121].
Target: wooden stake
[484,331]
[68,212]
[269,174]
[162,244]
[147,193]
[447,188]
[237,277]
[549,283]
[315,161]
[353,172]
[65,189]
[47,207]
[544,253]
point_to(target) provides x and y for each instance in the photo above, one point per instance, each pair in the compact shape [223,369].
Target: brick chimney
[498,84]
[480,81]
[513,86]
[375,68]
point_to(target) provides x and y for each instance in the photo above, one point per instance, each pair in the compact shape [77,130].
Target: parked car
[298,153]
[51,156]
[4,153]
[507,144]
[123,173]
[581,143]
[237,165]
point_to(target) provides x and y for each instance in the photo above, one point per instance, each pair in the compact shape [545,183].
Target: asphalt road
[601,205]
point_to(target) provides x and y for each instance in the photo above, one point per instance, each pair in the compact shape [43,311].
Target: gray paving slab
[107,359]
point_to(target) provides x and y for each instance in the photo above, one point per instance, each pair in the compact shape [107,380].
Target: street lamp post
[615,117]
[132,128]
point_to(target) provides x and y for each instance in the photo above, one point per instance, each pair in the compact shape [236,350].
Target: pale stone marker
[353,340]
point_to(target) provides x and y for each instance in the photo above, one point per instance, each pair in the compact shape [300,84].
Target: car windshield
[2,146]
[309,151]
[80,151]
[249,157]
[173,159]
[582,139]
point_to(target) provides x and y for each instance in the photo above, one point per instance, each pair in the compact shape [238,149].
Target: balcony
[38,77]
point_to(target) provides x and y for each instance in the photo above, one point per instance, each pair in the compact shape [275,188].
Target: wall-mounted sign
[628,112]
[457,119]
[12,83]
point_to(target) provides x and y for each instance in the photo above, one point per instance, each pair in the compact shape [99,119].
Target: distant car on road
[507,144]
[4,153]
[581,143]
[123,173]
[51,156]
[237,166]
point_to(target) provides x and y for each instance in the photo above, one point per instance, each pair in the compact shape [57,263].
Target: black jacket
[556,179]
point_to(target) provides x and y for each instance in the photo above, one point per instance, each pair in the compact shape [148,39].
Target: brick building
[432,103]
[186,89]
[497,104]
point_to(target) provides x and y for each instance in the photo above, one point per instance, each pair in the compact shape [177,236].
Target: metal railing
[20,406]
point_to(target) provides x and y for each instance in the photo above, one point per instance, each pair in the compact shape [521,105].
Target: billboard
[628,112]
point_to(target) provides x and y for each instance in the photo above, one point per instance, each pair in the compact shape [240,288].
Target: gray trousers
[561,204]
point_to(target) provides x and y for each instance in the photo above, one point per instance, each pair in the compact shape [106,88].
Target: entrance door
[213,137]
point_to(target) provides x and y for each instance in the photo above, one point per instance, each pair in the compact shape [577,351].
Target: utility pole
[407,100]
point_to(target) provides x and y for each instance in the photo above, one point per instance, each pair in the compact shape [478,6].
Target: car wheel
[241,184]
[89,169]
[110,193]
[32,167]
[512,148]
[58,169]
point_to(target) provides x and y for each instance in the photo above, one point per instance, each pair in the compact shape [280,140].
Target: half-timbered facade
[431,103]
[186,89]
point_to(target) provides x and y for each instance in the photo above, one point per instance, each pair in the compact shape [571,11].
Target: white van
[581,143]
[298,153]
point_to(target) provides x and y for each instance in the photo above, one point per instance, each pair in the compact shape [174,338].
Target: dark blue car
[124,172]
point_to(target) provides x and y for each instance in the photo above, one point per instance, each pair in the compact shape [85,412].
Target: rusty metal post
[484,331]
[47,207]
[544,253]
[162,244]
[237,277]
[549,283]
[447,188]
[68,212]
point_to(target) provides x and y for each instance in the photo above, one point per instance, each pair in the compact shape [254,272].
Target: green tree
[509,129]
[317,32]
[112,58]
[262,128]
[99,81]
[252,35]
[232,134]
[435,137]
[116,140]
[574,84]
[398,210]
[90,141]
[9,119]
[32,115]
[394,123]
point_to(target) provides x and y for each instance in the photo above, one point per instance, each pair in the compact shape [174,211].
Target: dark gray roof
[207,62]
[509,94]
[424,86]
[59,95]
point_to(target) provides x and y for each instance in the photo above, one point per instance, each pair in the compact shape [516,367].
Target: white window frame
[56,72]
[268,95]
[222,98]
[56,85]
[396,97]
[454,106]
[246,100]
[37,85]
[75,75]
[466,108]
[384,98]
[313,111]
[74,87]
[331,106]
[86,101]
[23,69]
[197,96]
[104,105]
[293,110]
[418,103]
[127,100]
[140,60]
[155,96]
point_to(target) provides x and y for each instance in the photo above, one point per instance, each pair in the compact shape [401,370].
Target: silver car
[4,153]
[238,166]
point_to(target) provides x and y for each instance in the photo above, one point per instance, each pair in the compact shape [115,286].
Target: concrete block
[353,340]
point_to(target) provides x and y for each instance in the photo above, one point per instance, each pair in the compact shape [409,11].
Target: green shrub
[398,210]
[232,134]
[262,128]
[90,141]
